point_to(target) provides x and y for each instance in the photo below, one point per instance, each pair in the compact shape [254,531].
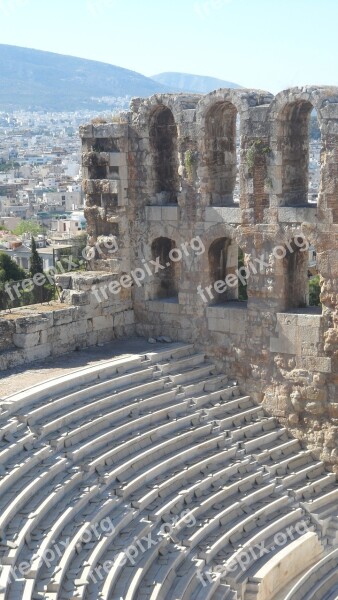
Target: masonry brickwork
[164,173]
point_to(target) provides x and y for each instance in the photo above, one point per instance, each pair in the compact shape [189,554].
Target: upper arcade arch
[221,152]
[166,280]
[290,116]
[294,145]
[222,116]
[163,144]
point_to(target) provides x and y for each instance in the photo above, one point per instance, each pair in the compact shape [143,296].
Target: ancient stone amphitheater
[203,467]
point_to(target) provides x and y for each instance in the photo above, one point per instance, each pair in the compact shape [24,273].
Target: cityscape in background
[40,180]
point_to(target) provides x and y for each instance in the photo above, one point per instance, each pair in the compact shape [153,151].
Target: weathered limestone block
[11,359]
[34,323]
[101,186]
[80,299]
[297,401]
[26,340]
[331,341]
[105,322]
[93,159]
[129,317]
[63,281]
[220,325]
[314,408]
[38,352]
[63,334]
[65,316]
[7,329]
[311,364]
[316,394]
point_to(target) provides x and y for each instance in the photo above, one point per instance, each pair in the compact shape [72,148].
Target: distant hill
[184,82]
[33,79]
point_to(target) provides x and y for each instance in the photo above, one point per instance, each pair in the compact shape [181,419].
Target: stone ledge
[301,214]
[322,364]
[227,318]
[298,319]
[162,213]
[165,305]
[220,214]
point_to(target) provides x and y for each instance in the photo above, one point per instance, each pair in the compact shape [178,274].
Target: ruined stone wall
[83,319]
[283,354]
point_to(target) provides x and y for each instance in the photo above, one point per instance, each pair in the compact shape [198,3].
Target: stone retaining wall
[35,332]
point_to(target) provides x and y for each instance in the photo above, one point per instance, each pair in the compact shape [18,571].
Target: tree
[35,268]
[36,260]
[9,272]
[9,269]
[27,227]
[314,291]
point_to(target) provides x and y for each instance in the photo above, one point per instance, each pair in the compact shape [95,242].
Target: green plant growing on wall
[99,120]
[268,182]
[257,148]
[314,291]
[189,163]
[242,288]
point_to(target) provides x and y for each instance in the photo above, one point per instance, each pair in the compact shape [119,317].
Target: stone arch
[223,259]
[291,114]
[242,99]
[166,281]
[294,124]
[222,114]
[144,110]
[296,277]
[298,266]
[225,256]
[221,152]
[163,144]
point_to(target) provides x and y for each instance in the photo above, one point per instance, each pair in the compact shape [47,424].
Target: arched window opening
[163,142]
[222,149]
[228,281]
[302,287]
[236,194]
[97,172]
[315,148]
[314,279]
[301,146]
[166,279]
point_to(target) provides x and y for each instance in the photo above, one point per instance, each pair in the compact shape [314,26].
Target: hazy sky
[268,44]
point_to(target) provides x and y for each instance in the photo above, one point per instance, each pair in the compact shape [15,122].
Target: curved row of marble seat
[51,470]
[318,583]
[139,441]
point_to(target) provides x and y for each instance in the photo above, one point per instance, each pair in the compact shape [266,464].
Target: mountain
[34,79]
[184,82]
